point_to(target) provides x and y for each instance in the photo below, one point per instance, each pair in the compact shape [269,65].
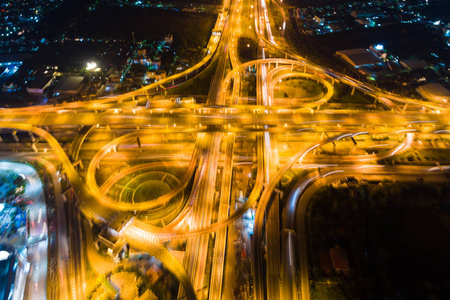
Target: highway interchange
[209,134]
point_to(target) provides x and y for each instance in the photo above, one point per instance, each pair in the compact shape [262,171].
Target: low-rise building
[155,75]
[319,18]
[69,86]
[339,260]
[10,86]
[358,57]
[39,84]
[358,14]
[413,64]
[168,39]
[435,92]
[325,261]
[377,49]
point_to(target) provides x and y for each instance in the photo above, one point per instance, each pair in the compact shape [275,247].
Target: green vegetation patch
[74,19]
[146,23]
[298,88]
[343,94]
[150,190]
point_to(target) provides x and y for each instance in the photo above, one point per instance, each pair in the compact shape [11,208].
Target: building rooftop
[71,83]
[413,64]
[339,259]
[40,82]
[435,92]
[358,57]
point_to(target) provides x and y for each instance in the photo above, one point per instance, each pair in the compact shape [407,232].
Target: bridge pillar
[33,146]
[138,141]
[14,134]
[353,91]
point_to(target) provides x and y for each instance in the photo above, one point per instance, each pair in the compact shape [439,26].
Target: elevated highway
[294,224]
[209,123]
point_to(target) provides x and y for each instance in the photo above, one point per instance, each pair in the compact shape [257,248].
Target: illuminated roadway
[220,118]
[298,201]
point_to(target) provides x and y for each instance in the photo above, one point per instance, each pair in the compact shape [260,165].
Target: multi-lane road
[207,182]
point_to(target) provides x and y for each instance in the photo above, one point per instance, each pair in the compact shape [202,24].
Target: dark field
[146,23]
[396,236]
[404,40]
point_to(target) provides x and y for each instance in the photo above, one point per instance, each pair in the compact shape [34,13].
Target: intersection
[204,142]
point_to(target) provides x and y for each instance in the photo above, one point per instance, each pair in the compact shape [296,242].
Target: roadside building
[413,64]
[358,57]
[10,86]
[168,39]
[358,14]
[155,63]
[69,86]
[435,92]
[363,21]
[319,18]
[325,261]
[155,75]
[142,52]
[339,260]
[115,77]
[378,50]
[142,58]
[38,85]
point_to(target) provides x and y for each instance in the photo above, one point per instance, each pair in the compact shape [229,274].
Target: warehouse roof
[358,57]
